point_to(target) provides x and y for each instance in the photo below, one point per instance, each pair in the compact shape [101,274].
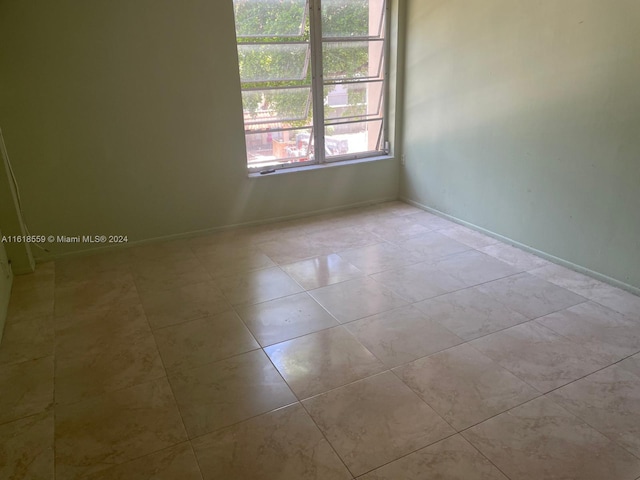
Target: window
[313,80]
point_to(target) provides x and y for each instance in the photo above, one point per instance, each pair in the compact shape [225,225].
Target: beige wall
[124,117]
[523,118]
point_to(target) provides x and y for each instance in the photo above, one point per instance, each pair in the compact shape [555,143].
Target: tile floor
[381,343]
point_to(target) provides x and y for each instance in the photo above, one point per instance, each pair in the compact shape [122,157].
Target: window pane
[352,60]
[270,18]
[273,62]
[352,18]
[277,105]
[271,148]
[352,100]
[353,138]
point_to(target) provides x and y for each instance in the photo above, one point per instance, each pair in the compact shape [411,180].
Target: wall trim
[46,257]
[547,256]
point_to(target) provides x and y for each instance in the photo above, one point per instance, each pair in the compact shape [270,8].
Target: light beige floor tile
[469,313]
[514,256]
[73,268]
[529,295]
[356,299]
[418,282]
[27,388]
[204,340]
[43,275]
[220,394]
[224,264]
[573,281]
[450,459]
[402,335]
[322,271]
[29,304]
[117,427]
[104,355]
[468,236]
[596,328]
[375,421]
[169,307]
[609,401]
[258,286]
[431,221]
[292,249]
[91,297]
[464,386]
[173,463]
[473,267]
[395,229]
[284,445]
[379,257]
[168,273]
[343,238]
[619,300]
[632,364]
[539,356]
[321,361]
[398,207]
[542,440]
[174,249]
[433,246]
[26,449]
[27,340]
[285,318]
[595,290]
[223,240]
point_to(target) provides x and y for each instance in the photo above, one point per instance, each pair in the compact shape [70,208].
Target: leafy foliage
[273,52]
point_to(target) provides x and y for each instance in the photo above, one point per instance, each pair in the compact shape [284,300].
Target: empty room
[320,239]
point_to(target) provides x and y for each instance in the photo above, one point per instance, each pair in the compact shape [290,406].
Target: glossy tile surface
[26,388]
[516,257]
[402,335]
[284,444]
[529,295]
[464,386]
[469,313]
[177,305]
[348,344]
[539,356]
[98,433]
[322,271]
[597,328]
[418,282]
[348,301]
[27,340]
[104,355]
[432,246]
[321,361]
[26,449]
[220,394]
[608,400]
[258,286]
[451,459]
[374,421]
[285,318]
[473,268]
[379,257]
[542,440]
[168,464]
[205,340]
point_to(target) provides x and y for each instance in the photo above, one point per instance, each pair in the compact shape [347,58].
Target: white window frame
[315,62]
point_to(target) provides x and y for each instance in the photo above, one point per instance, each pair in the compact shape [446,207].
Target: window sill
[319,166]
